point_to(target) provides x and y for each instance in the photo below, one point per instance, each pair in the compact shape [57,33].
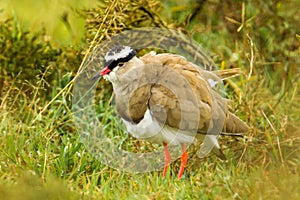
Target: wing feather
[177,93]
[183,98]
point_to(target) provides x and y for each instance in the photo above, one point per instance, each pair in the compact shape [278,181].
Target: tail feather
[233,124]
[232,134]
[228,73]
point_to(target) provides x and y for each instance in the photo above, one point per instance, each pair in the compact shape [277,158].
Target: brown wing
[133,90]
[182,98]
[177,93]
[133,107]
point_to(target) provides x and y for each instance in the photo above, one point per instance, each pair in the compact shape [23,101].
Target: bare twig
[251,60]
[243,17]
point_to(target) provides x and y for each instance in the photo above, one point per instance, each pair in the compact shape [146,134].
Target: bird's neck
[137,61]
[112,76]
[115,76]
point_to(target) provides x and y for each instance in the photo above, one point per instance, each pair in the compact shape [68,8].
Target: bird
[166,99]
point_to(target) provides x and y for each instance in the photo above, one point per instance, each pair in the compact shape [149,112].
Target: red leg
[184,159]
[167,159]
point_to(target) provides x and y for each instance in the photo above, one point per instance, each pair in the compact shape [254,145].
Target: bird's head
[115,58]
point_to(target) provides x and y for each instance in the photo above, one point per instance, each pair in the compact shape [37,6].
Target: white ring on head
[126,50]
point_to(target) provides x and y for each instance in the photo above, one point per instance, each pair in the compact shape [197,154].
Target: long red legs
[167,159]
[184,159]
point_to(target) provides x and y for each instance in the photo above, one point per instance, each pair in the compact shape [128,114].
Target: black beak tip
[95,76]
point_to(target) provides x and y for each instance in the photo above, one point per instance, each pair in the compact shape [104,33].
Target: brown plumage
[164,98]
[157,75]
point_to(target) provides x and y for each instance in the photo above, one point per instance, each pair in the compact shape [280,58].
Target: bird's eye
[120,64]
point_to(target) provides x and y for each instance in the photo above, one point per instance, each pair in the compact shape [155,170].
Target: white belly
[149,129]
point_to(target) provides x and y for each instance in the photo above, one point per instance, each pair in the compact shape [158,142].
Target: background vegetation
[40,52]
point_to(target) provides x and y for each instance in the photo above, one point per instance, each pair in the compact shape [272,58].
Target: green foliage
[29,60]
[22,53]
[41,156]
[60,19]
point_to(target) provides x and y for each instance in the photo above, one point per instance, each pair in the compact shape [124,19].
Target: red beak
[103,72]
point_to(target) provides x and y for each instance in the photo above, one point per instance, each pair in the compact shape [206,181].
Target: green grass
[42,156]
